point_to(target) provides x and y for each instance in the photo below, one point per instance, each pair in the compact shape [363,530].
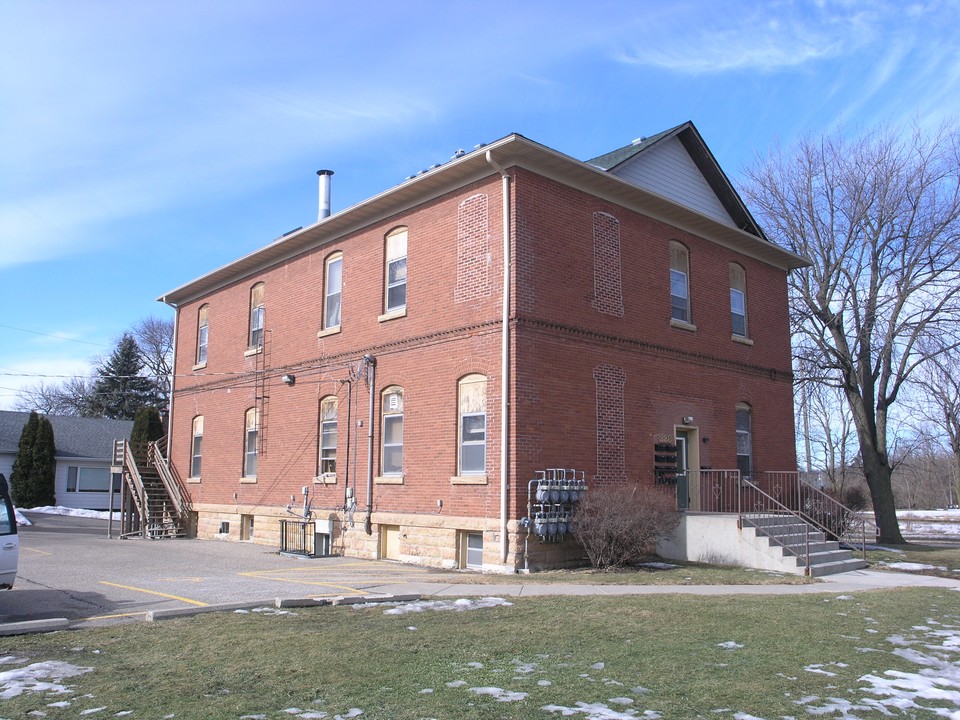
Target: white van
[9,542]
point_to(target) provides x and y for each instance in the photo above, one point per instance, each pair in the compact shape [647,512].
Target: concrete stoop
[788,537]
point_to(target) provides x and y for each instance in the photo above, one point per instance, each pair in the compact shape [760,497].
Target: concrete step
[837,566]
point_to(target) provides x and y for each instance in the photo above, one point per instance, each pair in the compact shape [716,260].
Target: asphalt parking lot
[70,569]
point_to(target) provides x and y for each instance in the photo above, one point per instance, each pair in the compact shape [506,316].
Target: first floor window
[197,447]
[744,441]
[88,479]
[392,431]
[328,436]
[472,393]
[251,439]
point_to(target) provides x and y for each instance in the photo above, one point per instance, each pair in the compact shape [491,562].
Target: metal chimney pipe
[325,176]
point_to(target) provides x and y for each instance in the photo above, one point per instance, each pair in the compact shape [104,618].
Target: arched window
[332,291]
[395,271]
[328,437]
[679,283]
[738,299]
[196,448]
[251,440]
[256,315]
[391,455]
[472,425]
[203,317]
[744,440]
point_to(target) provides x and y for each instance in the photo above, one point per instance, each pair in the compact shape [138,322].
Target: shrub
[620,524]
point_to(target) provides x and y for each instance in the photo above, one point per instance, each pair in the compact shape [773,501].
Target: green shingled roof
[613,158]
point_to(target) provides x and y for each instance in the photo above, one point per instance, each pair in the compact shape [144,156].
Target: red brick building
[640,304]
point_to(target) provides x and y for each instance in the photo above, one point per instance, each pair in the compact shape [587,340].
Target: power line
[51,335]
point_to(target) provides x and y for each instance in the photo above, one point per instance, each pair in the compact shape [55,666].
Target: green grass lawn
[652,656]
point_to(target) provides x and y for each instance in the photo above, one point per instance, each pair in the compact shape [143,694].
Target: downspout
[504,357]
[371,363]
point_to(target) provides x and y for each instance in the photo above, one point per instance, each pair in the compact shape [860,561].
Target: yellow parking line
[154,592]
[34,550]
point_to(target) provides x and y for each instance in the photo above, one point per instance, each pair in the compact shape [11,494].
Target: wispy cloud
[766,37]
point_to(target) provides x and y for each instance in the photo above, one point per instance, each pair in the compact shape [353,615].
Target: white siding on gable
[668,170]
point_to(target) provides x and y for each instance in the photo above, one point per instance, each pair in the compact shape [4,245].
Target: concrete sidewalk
[854,581]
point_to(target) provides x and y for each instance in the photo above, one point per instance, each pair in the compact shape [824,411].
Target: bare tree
[71,397]
[154,338]
[832,433]
[878,216]
[939,383]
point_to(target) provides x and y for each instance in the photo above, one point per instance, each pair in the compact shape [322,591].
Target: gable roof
[511,151]
[74,437]
[687,134]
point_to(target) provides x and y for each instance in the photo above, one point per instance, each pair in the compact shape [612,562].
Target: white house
[84,455]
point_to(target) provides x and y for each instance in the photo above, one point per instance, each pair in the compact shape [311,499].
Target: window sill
[741,339]
[325,480]
[681,325]
[249,352]
[248,480]
[393,314]
[328,331]
[389,480]
[469,479]
[199,366]
[193,481]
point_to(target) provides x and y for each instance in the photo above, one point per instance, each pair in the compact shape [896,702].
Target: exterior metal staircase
[152,504]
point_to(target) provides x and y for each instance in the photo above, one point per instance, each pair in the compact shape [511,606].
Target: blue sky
[145,143]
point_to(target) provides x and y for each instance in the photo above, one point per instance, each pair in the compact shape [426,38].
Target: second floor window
[203,318]
[256,315]
[738,300]
[679,283]
[332,292]
[396,270]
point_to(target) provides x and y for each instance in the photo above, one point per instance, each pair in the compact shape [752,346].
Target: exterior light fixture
[687,420]
[289,379]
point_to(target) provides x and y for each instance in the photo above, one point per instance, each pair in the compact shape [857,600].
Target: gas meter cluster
[551,497]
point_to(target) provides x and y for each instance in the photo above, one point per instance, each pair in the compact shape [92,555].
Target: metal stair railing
[725,491]
[171,482]
[824,512]
[123,457]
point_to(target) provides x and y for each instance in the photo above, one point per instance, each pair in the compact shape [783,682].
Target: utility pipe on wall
[371,363]
[504,357]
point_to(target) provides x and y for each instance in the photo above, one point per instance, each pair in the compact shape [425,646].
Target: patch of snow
[38,677]
[351,713]
[460,605]
[730,645]
[658,565]
[475,665]
[911,566]
[426,691]
[598,666]
[598,711]
[456,683]
[544,683]
[499,694]
[71,512]
[93,711]
[621,701]
[844,597]
[313,715]
[818,670]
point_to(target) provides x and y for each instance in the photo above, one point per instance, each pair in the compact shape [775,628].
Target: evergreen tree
[119,389]
[23,464]
[147,427]
[43,471]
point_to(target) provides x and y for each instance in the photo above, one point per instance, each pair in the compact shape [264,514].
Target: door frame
[691,434]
